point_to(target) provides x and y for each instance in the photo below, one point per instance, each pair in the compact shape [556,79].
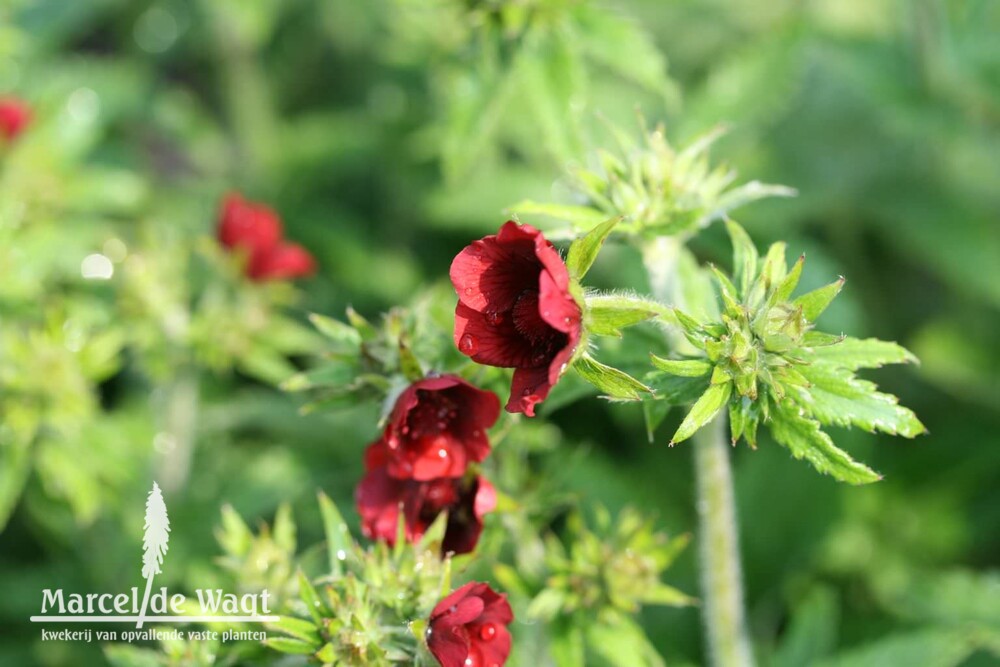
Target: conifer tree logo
[156,534]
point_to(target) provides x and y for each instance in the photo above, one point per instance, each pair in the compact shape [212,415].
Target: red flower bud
[515,310]
[380,495]
[469,628]
[14,117]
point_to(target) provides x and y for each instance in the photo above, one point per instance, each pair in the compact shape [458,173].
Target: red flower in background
[437,427]
[14,117]
[469,628]
[515,310]
[257,230]
[379,496]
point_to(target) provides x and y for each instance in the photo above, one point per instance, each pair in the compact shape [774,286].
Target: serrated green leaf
[608,314]
[614,383]
[675,389]
[836,396]
[806,440]
[339,542]
[704,409]
[682,367]
[583,251]
[744,256]
[815,302]
[855,353]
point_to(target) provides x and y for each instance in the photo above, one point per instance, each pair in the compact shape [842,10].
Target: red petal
[528,387]
[450,648]
[284,261]
[491,273]
[493,342]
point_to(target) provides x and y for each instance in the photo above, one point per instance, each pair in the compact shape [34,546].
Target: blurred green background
[390,133]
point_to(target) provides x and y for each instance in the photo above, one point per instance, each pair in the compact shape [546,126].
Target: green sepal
[583,251]
[339,543]
[744,256]
[682,367]
[789,282]
[614,383]
[704,409]
[608,314]
[815,302]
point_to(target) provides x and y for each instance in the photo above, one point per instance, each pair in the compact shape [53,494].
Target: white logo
[61,607]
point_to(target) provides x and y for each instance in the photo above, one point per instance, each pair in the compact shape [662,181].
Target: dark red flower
[469,628]
[257,230]
[14,117]
[244,224]
[515,310]
[437,427]
[282,262]
[379,496]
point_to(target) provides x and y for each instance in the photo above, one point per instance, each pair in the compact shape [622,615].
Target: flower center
[527,318]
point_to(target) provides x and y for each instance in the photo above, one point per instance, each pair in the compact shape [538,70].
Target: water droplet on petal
[468,344]
[469,291]
[442,453]
[494,317]
[487,632]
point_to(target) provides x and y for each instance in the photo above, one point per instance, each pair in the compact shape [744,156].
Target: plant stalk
[723,618]
[718,549]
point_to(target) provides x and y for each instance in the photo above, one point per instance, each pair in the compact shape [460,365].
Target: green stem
[179,415]
[719,563]
[718,549]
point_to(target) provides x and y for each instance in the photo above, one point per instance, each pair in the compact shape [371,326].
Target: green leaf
[297,628]
[744,256]
[836,396]
[607,314]
[583,251]
[675,389]
[667,596]
[614,383]
[703,410]
[339,542]
[773,269]
[337,331]
[361,325]
[682,367]
[854,353]
[932,647]
[805,440]
[815,302]
[789,283]
[309,597]
[289,645]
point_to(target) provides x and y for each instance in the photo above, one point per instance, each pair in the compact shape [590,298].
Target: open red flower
[515,310]
[437,427]
[379,497]
[14,117]
[257,230]
[469,628]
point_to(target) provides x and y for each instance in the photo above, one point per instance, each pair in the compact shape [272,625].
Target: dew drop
[494,318]
[469,291]
[487,632]
[472,661]
[468,344]
[442,453]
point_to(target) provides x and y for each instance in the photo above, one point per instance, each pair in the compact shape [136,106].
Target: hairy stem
[719,562]
[718,549]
